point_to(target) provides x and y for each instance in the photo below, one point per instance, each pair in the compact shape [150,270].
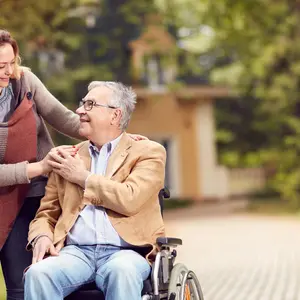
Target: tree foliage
[262,43]
[252,46]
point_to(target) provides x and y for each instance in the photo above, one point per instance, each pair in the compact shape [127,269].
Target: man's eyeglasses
[89,104]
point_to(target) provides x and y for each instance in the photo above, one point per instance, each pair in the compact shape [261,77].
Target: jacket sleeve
[127,198]
[48,213]
[54,112]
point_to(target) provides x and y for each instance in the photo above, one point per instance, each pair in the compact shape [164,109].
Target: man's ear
[116,118]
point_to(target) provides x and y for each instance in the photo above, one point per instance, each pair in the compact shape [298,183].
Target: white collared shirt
[93,226]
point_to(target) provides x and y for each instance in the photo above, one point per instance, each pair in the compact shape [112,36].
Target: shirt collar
[108,148]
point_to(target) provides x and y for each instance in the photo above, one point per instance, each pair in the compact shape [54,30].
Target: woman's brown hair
[6,38]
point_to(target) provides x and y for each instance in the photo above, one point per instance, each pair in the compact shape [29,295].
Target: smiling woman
[9,55]
[24,143]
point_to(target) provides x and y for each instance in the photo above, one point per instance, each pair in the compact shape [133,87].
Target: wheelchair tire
[184,284]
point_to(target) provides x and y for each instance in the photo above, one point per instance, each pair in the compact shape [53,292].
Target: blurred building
[177,114]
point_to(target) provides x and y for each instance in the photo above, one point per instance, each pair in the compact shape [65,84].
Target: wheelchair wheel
[184,284]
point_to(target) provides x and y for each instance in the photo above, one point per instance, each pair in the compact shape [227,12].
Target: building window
[166,143]
[172,171]
[156,74]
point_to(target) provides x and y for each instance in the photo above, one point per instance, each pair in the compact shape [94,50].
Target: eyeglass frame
[94,103]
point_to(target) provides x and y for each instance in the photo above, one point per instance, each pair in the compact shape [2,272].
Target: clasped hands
[65,161]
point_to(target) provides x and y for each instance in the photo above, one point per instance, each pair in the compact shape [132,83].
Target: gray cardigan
[53,112]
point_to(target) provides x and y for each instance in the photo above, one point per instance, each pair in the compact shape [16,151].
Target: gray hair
[123,97]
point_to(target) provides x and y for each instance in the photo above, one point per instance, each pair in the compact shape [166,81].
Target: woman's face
[7,64]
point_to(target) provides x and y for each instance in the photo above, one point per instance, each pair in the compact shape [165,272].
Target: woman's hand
[43,167]
[46,166]
[137,137]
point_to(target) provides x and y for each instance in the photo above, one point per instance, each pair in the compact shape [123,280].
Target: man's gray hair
[123,97]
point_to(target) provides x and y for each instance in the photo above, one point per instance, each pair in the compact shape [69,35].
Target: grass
[269,202]
[271,206]
[2,287]
[264,204]
[175,203]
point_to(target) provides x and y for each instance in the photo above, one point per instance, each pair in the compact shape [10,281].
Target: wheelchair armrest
[168,241]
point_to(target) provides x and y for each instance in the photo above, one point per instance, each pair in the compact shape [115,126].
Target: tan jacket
[129,192]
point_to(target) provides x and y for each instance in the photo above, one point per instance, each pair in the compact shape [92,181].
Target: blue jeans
[118,273]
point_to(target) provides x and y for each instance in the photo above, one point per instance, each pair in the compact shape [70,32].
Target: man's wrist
[85,182]
[85,175]
[35,240]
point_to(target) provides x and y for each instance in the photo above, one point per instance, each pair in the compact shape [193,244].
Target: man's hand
[71,168]
[43,246]
[46,167]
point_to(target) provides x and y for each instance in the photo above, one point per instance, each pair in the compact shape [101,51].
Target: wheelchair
[168,281]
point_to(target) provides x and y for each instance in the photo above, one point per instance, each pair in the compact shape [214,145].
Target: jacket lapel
[118,156]
[85,156]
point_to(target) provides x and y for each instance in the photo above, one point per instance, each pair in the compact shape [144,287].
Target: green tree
[262,41]
[93,36]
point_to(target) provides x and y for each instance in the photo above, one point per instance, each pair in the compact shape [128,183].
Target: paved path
[240,257]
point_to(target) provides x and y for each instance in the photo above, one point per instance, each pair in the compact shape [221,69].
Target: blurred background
[218,85]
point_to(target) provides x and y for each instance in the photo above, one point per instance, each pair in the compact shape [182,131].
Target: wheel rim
[190,289]
[184,284]
[195,286]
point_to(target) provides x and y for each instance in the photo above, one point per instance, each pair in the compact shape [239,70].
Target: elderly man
[100,217]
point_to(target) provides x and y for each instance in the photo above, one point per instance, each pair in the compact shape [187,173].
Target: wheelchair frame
[171,281]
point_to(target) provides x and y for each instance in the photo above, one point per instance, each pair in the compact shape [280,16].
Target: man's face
[96,124]
[7,64]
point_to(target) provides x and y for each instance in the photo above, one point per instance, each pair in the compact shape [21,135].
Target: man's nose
[80,110]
